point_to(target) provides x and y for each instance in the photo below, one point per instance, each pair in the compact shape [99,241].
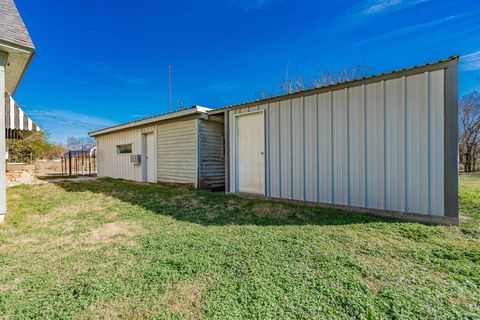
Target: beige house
[16,51]
[185,146]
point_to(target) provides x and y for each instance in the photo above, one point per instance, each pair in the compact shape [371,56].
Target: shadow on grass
[54,176]
[216,208]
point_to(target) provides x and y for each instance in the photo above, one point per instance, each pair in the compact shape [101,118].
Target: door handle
[261,153]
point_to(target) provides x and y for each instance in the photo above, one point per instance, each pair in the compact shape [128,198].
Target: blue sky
[100,63]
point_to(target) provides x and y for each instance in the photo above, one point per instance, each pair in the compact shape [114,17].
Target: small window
[124,148]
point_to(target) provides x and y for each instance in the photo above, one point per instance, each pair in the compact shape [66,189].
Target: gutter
[154,119]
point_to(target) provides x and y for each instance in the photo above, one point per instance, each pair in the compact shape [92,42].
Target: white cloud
[470,62]
[406,30]
[381,6]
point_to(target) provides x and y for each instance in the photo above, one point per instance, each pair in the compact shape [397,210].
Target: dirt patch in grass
[191,201]
[103,310]
[93,205]
[185,299]
[113,232]
[272,211]
[118,309]
[232,205]
[4,287]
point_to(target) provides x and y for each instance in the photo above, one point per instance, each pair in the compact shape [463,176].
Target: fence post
[69,163]
[82,161]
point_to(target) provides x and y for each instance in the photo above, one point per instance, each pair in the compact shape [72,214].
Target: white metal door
[150,157]
[250,161]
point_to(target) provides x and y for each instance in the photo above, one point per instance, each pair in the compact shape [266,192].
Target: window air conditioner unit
[136,158]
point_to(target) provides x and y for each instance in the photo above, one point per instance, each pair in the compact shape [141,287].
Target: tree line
[35,145]
[469,130]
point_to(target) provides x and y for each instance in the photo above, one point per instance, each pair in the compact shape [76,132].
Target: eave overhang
[18,59]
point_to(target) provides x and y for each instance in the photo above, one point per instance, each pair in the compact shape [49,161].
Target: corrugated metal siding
[212,157]
[377,145]
[111,164]
[356,151]
[285,158]
[177,151]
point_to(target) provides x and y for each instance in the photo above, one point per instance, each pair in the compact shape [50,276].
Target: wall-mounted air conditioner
[136,158]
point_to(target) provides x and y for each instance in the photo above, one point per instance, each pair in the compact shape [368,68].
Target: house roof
[153,119]
[340,85]
[16,43]
[12,28]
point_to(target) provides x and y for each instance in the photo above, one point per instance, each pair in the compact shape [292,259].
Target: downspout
[3,178]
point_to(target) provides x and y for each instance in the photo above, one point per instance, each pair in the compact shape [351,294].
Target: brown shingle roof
[12,28]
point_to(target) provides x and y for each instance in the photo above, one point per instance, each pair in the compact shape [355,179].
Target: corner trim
[197,152]
[226,149]
[450,141]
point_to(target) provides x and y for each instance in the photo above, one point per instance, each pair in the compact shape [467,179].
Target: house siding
[177,152]
[111,164]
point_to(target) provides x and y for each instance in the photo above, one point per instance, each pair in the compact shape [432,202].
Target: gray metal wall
[377,145]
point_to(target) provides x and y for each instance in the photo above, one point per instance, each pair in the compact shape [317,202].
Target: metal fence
[79,163]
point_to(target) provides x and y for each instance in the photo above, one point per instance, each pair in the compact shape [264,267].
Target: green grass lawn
[116,249]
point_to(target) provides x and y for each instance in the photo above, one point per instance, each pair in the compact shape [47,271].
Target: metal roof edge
[440,64]
[152,119]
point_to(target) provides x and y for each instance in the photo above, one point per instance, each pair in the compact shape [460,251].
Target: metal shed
[386,144]
[185,146]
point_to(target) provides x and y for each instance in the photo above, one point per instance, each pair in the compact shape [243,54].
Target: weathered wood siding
[212,155]
[111,164]
[177,151]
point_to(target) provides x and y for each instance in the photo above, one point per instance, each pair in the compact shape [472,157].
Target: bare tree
[469,130]
[264,94]
[326,78]
[342,75]
[298,83]
[74,143]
